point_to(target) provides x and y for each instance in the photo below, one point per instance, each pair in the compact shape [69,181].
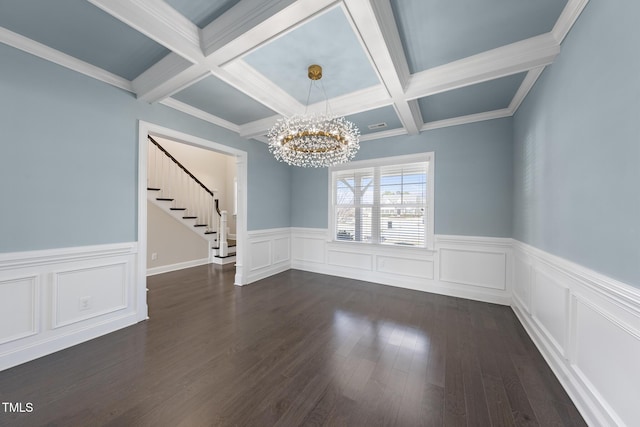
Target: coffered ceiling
[391,66]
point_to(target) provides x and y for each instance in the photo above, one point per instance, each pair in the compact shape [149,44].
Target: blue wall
[473,178]
[68,162]
[577,147]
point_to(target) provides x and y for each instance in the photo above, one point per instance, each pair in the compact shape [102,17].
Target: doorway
[146,129]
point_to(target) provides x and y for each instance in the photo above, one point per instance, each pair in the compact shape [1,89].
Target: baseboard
[178,266]
[587,327]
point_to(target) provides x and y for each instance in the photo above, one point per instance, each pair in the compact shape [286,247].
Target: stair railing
[176,182]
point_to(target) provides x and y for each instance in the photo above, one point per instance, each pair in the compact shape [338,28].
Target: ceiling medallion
[317,140]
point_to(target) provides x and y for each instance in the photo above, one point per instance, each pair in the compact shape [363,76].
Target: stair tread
[177,209]
[210,232]
[189,217]
[164,199]
[152,189]
[228,256]
[200,225]
[218,247]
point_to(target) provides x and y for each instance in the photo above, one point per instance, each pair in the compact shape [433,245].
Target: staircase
[175,190]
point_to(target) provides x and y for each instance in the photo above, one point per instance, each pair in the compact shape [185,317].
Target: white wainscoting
[587,326]
[268,253]
[478,268]
[54,299]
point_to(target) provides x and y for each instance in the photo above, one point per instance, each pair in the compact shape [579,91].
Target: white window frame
[388,161]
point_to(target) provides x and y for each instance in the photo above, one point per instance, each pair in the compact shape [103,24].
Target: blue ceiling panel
[435,32]
[202,12]
[220,99]
[488,96]
[83,31]
[327,40]
[372,117]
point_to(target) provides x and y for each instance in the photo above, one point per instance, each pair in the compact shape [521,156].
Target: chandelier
[317,140]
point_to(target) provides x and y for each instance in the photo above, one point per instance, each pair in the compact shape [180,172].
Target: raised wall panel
[105,286]
[476,268]
[18,308]
[350,259]
[281,249]
[405,266]
[550,302]
[308,249]
[522,282]
[607,358]
[260,253]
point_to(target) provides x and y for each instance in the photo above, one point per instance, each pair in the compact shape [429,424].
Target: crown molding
[568,17]
[526,85]
[471,118]
[500,62]
[45,52]
[196,112]
[158,21]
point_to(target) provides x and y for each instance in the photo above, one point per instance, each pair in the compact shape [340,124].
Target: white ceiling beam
[355,102]
[159,73]
[570,13]
[375,24]
[526,85]
[50,54]
[383,134]
[157,89]
[251,23]
[352,103]
[158,21]
[195,112]
[255,85]
[500,62]
[245,26]
[471,118]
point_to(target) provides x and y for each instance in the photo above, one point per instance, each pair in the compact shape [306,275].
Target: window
[387,201]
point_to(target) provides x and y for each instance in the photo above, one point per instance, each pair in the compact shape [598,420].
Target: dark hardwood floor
[296,349]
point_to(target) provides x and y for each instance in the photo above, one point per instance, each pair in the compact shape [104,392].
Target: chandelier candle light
[318,140]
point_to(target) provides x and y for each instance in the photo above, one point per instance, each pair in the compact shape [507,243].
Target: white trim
[30,259]
[178,266]
[410,268]
[158,21]
[525,87]
[146,128]
[55,314]
[196,112]
[383,134]
[41,268]
[471,118]
[35,306]
[377,28]
[167,68]
[50,54]
[500,62]
[568,17]
[617,306]
[249,81]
